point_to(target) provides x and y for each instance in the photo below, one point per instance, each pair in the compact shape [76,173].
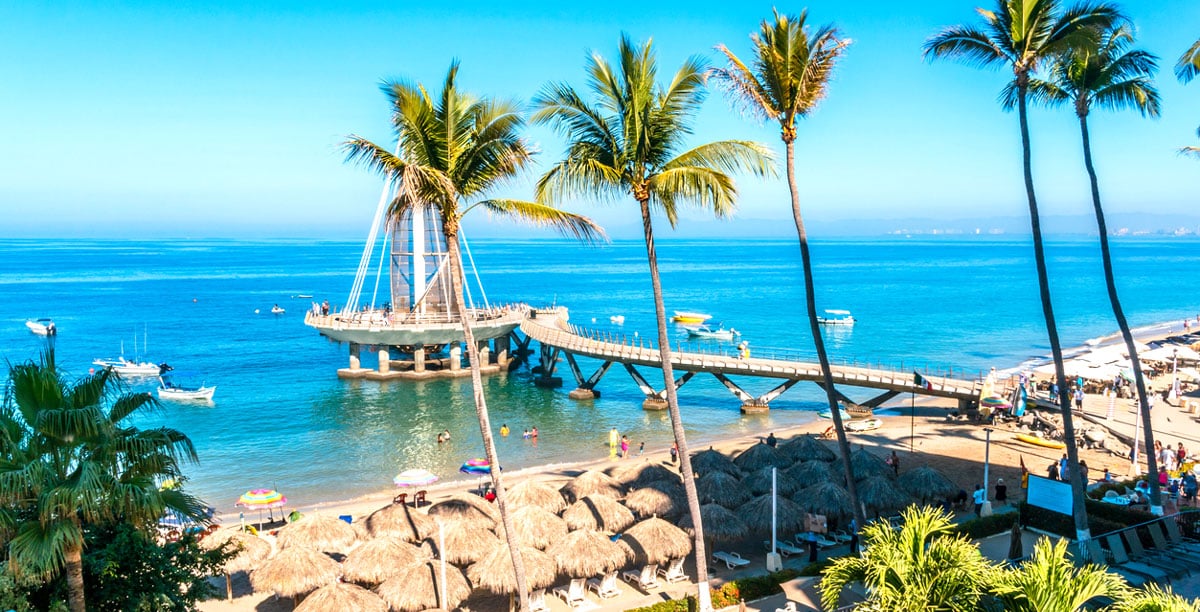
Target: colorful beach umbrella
[476,466]
[415,478]
[261,499]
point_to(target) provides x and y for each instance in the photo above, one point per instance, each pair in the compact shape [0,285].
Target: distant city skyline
[158,119]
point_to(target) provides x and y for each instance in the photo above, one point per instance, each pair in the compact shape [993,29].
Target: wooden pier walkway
[556,336]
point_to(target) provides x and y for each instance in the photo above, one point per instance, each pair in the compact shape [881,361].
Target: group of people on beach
[528,433]
[618,441]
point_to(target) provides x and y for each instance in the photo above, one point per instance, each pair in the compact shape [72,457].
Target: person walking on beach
[641,448]
[674,452]
[980,496]
[1078,399]
[771,441]
[1062,468]
[1052,471]
[613,439]
[894,461]
[624,447]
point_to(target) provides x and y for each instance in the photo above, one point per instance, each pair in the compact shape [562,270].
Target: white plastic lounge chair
[573,593]
[824,542]
[537,600]
[842,536]
[606,586]
[674,572]
[646,579]
[730,559]
[784,548]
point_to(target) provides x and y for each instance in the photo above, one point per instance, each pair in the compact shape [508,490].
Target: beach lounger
[674,572]
[784,548]
[400,499]
[824,542]
[1177,538]
[419,499]
[842,536]
[1159,559]
[646,579]
[537,600]
[730,559]
[1096,555]
[606,586]
[572,594]
[1122,560]
[1161,543]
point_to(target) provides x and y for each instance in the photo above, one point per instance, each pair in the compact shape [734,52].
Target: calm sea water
[282,418]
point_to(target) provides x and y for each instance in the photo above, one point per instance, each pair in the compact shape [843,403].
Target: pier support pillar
[583,393]
[385,360]
[502,345]
[755,407]
[455,355]
[419,359]
[355,362]
[548,382]
[485,353]
[654,403]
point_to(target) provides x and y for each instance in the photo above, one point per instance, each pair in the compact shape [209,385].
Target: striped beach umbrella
[261,499]
[415,478]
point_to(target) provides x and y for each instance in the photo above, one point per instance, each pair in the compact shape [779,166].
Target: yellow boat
[1039,441]
[690,317]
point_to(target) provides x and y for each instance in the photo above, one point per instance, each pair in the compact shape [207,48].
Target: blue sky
[211,119]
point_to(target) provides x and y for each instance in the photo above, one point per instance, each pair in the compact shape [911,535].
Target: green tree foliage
[1049,582]
[125,569]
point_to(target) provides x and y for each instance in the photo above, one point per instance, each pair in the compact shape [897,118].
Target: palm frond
[566,223]
[1048,580]
[965,44]
[1188,65]
[745,91]
[705,188]
[580,175]
[361,151]
[1153,598]
[728,156]
[1135,94]
[1041,92]
[1194,151]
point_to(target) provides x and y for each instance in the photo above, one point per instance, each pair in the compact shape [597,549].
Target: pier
[557,337]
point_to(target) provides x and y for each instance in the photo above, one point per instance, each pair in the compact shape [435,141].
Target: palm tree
[69,458]
[1108,76]
[919,567]
[1022,34]
[1186,69]
[1049,582]
[627,142]
[454,150]
[788,76]
[1153,598]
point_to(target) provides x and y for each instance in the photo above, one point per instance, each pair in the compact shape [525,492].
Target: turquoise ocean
[281,418]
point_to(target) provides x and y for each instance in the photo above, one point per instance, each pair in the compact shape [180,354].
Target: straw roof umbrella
[759,482]
[494,572]
[721,488]
[720,523]
[342,596]
[537,527]
[586,553]
[709,461]
[380,559]
[811,472]
[880,493]
[417,587]
[598,513]
[926,483]
[319,532]
[760,456]
[399,521]
[535,493]
[591,482]
[789,517]
[466,509]
[825,498]
[250,550]
[467,543]
[865,464]
[806,448]
[295,572]
[645,473]
[655,541]
[658,499]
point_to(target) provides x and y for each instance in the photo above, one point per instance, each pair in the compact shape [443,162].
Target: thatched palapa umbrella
[789,517]
[806,448]
[655,541]
[380,559]
[599,513]
[720,523]
[760,456]
[537,527]
[646,473]
[418,587]
[584,553]
[721,488]
[809,473]
[657,499]
[466,509]
[341,596]
[925,483]
[466,543]
[880,494]
[758,482]
[251,551]
[825,498]
[591,482]
[399,521]
[534,493]
[319,532]
[295,572]
[495,572]
[709,461]
[866,464]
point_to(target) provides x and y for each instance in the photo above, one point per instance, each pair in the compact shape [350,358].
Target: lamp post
[1174,375]
[986,508]
[774,561]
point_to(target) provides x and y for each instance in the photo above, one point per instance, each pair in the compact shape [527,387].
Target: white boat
[170,389]
[41,327]
[277,310]
[826,414]
[863,424]
[125,367]
[836,317]
[708,333]
[618,319]
[690,317]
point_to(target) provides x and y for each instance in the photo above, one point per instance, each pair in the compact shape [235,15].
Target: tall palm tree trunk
[1119,315]
[74,567]
[810,301]
[481,410]
[1079,511]
[685,460]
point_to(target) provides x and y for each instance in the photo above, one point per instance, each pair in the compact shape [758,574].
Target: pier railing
[378,317]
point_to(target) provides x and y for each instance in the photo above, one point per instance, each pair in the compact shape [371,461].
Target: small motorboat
[618,319]
[864,424]
[124,367]
[690,318]
[836,317]
[302,296]
[707,333]
[171,389]
[277,310]
[41,327]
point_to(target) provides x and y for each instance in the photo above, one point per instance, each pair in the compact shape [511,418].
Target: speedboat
[41,327]
[618,319]
[708,333]
[124,367]
[277,310]
[863,424]
[170,389]
[836,317]
[690,318]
